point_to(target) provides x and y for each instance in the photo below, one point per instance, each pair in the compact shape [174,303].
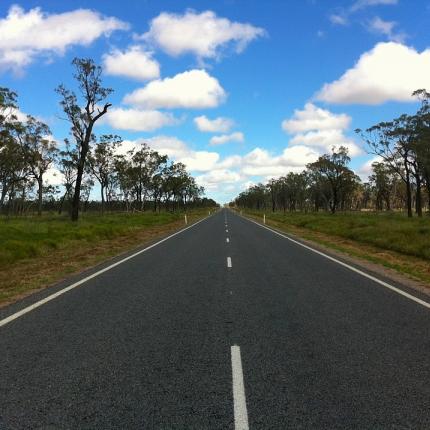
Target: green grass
[29,237]
[386,231]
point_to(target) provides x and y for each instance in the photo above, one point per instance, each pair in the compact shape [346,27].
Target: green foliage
[387,231]
[28,237]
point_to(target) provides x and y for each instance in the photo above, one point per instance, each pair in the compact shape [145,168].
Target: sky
[240,91]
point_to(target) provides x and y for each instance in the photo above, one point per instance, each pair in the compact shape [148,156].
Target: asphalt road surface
[225,325]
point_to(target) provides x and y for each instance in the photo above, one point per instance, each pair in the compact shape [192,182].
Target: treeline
[141,179]
[401,180]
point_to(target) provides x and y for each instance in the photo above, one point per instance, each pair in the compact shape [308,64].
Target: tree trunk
[40,195]
[103,198]
[81,166]
[418,199]
[408,195]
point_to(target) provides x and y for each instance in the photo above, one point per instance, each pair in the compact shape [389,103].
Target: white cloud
[389,72]
[326,140]
[191,89]
[365,170]
[225,138]
[386,28]
[319,129]
[26,35]
[133,63]
[217,125]
[53,177]
[315,118]
[338,19]
[177,150]
[202,34]
[259,162]
[362,4]
[215,178]
[138,120]
[200,161]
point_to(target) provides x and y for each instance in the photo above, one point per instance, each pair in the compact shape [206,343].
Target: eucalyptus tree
[331,171]
[83,112]
[67,164]
[393,142]
[102,164]
[38,151]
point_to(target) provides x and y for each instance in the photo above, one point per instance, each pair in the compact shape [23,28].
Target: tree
[67,166]
[332,170]
[392,141]
[102,163]
[383,182]
[38,152]
[83,118]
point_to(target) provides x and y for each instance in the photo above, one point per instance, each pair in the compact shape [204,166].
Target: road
[226,325]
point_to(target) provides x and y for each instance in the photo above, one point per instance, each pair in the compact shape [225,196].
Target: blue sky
[238,90]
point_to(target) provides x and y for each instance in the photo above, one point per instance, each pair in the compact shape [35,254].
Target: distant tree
[68,160]
[38,152]
[83,117]
[102,163]
[331,170]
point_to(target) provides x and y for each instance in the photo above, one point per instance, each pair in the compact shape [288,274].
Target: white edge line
[239,398]
[360,272]
[229,262]
[30,308]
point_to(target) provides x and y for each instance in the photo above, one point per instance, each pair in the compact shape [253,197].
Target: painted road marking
[239,399]
[229,262]
[227,240]
[354,269]
[82,281]
[226,231]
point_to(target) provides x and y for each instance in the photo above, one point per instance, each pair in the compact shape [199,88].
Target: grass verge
[36,252]
[390,240]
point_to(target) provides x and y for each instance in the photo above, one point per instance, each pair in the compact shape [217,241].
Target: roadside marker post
[264,218]
[186,221]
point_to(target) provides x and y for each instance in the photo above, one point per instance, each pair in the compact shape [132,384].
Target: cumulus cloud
[217,125]
[202,34]
[389,72]
[177,150]
[138,120]
[26,35]
[259,162]
[53,177]
[327,140]
[133,63]
[191,89]
[225,138]
[220,177]
[320,129]
[314,118]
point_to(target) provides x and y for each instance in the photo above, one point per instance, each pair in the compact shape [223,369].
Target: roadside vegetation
[388,239]
[37,251]
[67,205]
[136,178]
[384,219]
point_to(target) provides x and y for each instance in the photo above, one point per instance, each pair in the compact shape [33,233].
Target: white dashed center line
[239,399]
[229,262]
[227,240]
